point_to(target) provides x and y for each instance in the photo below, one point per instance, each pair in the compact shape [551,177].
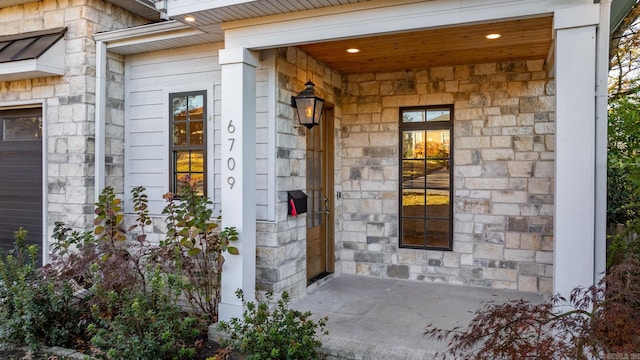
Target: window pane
[438,144]
[180,133]
[179,180]
[438,233]
[410,116]
[438,115]
[437,203]
[179,108]
[413,174]
[413,203]
[200,184]
[438,175]
[182,162]
[196,135]
[197,161]
[413,232]
[413,144]
[23,128]
[196,107]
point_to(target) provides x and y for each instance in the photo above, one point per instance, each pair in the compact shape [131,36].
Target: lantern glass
[308,106]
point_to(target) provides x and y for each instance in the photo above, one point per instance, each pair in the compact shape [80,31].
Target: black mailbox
[297,202]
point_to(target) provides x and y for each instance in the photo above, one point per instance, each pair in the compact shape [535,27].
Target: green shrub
[144,325]
[34,310]
[195,247]
[281,333]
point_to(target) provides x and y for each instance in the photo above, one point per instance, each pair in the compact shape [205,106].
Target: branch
[618,33]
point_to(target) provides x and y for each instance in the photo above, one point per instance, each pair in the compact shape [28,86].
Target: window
[426,173]
[188,141]
[21,124]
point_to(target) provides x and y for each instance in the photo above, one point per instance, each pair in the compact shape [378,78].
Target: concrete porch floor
[373,318]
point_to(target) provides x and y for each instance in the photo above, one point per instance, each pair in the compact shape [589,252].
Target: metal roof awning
[32,54]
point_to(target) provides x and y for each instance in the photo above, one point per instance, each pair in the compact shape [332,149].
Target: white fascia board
[51,63]
[577,16]
[145,34]
[379,17]
[183,7]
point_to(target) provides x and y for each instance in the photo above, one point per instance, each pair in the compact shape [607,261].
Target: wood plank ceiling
[521,39]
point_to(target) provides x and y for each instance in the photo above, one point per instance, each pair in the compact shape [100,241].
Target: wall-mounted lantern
[308,106]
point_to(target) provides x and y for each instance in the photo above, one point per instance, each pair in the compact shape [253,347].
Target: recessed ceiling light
[353,51]
[493,36]
[189,18]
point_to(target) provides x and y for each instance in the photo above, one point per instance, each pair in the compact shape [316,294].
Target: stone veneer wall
[70,100]
[503,174]
[281,246]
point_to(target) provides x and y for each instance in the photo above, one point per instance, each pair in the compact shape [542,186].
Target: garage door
[20,175]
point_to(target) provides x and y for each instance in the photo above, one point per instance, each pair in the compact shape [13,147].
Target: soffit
[143,8]
[521,39]
[7,3]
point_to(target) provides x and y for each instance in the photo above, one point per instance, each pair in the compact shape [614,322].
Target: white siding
[150,78]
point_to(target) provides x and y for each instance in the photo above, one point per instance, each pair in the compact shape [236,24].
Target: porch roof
[32,54]
[523,37]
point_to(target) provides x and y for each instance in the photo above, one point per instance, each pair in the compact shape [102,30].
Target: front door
[320,192]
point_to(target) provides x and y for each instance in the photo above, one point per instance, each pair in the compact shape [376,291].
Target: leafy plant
[598,320]
[196,247]
[134,288]
[279,333]
[145,325]
[34,310]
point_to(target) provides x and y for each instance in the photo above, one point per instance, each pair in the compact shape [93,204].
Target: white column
[575,69]
[100,118]
[238,174]
[602,102]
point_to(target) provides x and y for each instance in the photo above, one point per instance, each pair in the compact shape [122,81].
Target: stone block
[505,209]
[509,196]
[467,171]
[499,274]
[496,154]
[544,257]
[520,168]
[475,206]
[486,183]
[519,255]
[483,69]
[544,169]
[523,143]
[501,141]
[494,169]
[488,251]
[539,186]
[363,269]
[530,269]
[527,283]
[545,128]
[545,286]
[398,271]
[442,73]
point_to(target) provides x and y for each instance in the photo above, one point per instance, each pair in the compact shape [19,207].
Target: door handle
[326,205]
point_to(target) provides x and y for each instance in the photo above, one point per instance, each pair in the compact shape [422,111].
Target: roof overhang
[619,9]
[32,55]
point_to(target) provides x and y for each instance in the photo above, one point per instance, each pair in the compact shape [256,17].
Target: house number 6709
[231,161]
